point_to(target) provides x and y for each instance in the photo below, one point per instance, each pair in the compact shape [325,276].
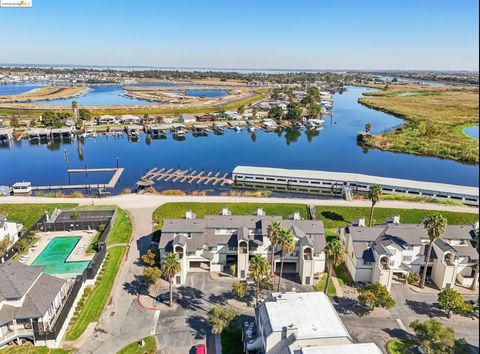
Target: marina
[40,159]
[185,176]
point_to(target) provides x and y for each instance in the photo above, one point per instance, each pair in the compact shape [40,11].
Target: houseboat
[200,130]
[219,127]
[314,123]
[269,125]
[22,188]
[89,133]
[6,134]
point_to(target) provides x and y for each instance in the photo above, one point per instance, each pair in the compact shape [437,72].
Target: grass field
[432,115]
[134,348]
[28,214]
[336,217]
[177,210]
[26,349]
[121,230]
[98,297]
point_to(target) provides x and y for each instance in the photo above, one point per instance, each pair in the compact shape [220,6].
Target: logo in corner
[15,3]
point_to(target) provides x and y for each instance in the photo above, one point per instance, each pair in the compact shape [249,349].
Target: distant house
[30,301]
[107,119]
[9,230]
[204,118]
[187,118]
[232,115]
[130,119]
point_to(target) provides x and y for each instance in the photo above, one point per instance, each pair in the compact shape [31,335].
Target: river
[332,149]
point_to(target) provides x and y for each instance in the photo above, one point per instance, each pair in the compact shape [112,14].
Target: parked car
[165,297]
[200,349]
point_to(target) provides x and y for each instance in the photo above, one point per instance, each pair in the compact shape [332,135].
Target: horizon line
[180,68]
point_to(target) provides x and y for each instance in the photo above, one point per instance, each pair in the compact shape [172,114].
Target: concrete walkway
[135,201]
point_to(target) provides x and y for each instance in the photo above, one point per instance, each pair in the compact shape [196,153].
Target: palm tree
[335,256]
[259,272]
[273,231]
[436,226]
[286,241]
[170,267]
[375,195]
[74,109]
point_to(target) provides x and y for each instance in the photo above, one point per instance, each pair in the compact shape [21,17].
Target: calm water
[103,95]
[472,131]
[332,149]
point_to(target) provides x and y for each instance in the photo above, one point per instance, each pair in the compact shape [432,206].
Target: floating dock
[100,186]
[186,176]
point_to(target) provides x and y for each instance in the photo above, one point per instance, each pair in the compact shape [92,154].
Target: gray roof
[202,231]
[379,236]
[16,278]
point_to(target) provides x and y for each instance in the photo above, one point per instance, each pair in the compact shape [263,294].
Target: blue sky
[297,34]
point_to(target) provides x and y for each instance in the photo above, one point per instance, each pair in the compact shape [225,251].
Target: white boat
[237,128]
[251,129]
[89,133]
[314,123]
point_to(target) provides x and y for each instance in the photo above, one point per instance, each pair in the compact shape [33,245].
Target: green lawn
[28,214]
[26,349]
[401,346]
[92,248]
[336,217]
[177,210]
[134,348]
[98,297]
[121,230]
[232,341]
[343,275]
[320,286]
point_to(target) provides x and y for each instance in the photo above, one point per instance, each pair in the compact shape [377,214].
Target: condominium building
[219,243]
[377,253]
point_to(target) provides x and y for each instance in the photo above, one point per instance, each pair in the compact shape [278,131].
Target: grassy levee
[134,348]
[35,112]
[177,210]
[336,217]
[28,214]
[432,116]
[91,306]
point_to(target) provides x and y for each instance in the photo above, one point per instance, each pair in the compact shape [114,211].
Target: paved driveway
[411,306]
[179,330]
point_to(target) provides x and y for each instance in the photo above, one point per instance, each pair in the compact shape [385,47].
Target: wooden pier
[111,184]
[187,176]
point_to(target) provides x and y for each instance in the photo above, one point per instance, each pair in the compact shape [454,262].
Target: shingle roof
[16,278]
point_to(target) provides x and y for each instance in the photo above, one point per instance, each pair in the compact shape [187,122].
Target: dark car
[165,297]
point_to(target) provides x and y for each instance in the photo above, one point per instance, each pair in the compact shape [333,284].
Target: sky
[249,34]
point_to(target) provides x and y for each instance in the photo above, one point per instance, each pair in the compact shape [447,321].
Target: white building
[297,323]
[376,254]
[130,119]
[107,119]
[9,230]
[187,118]
[218,242]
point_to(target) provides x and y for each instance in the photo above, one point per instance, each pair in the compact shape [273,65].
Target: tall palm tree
[475,276]
[170,267]
[436,226]
[259,272]
[286,241]
[335,256]
[74,109]
[375,195]
[273,232]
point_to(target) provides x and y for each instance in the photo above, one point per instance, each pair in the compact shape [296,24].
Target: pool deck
[77,254]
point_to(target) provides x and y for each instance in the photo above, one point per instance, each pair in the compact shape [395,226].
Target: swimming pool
[54,257]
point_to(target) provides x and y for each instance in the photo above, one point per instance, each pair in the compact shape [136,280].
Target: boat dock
[187,176]
[100,186]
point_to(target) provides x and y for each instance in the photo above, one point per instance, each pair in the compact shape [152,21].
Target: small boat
[89,133]
[251,129]
[298,126]
[237,128]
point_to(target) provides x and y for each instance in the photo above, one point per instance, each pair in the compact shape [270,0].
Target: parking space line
[156,316]
[400,324]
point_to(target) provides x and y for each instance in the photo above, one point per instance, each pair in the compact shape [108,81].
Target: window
[367,263]
[242,274]
[407,258]
[409,248]
[392,263]
[307,280]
